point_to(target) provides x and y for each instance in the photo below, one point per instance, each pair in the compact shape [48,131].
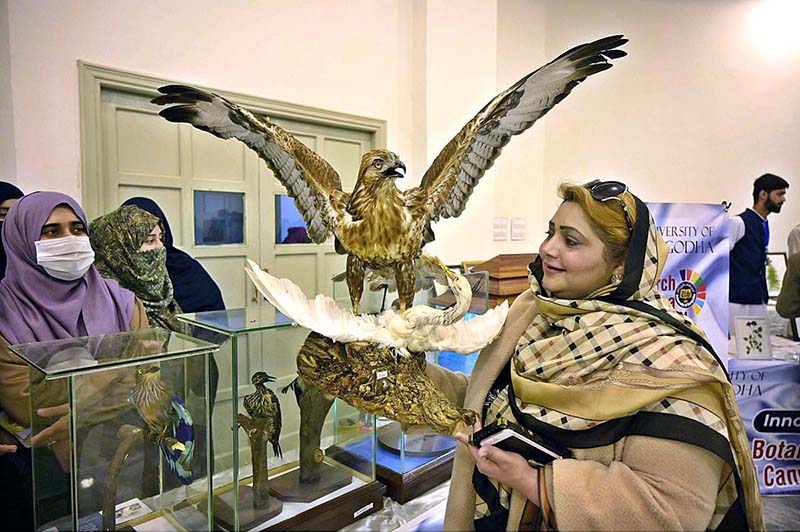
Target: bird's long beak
[447,271]
[396,171]
[153,369]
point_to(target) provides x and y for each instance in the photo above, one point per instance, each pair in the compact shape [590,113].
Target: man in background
[749,237]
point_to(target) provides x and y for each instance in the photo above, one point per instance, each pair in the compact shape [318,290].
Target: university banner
[768,394]
[695,278]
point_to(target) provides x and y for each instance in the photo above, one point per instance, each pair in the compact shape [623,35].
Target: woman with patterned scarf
[595,359]
[128,249]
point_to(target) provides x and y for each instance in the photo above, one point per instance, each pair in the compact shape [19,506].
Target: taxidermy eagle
[377,225]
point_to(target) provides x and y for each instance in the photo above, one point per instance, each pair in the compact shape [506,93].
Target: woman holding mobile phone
[593,358]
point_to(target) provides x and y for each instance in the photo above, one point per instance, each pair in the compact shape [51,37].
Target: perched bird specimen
[417,329]
[167,418]
[375,380]
[377,225]
[264,404]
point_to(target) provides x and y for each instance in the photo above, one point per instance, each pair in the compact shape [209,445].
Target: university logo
[688,291]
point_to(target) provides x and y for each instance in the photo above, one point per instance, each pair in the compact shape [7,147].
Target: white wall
[8,162]
[339,55]
[695,113]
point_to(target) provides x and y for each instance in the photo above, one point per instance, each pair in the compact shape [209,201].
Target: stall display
[377,225]
[125,419]
[277,463]
[377,362]
[411,464]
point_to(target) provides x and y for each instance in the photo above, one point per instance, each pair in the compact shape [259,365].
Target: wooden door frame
[94,78]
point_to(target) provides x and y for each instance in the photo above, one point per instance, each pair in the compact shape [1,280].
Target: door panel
[146,143]
[345,157]
[300,268]
[215,158]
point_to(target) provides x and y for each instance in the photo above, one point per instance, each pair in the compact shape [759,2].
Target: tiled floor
[782,513]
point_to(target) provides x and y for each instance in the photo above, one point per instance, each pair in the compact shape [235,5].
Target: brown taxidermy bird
[377,225]
[264,404]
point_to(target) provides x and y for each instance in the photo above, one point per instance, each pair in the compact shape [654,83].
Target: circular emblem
[690,293]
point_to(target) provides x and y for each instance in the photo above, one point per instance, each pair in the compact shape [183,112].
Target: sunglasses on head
[611,190]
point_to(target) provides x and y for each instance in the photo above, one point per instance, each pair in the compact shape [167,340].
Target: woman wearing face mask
[595,359]
[195,290]
[51,291]
[9,194]
[129,248]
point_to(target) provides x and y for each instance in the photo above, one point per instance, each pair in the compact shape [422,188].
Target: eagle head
[381,164]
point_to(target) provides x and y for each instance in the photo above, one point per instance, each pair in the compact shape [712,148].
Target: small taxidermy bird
[377,225]
[167,418]
[264,404]
[414,330]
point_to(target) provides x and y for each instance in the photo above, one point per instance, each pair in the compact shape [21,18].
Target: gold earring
[616,278]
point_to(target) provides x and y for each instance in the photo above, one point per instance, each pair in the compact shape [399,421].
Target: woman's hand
[507,468]
[56,432]
[6,449]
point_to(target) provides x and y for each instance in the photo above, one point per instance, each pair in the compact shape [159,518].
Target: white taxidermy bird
[414,330]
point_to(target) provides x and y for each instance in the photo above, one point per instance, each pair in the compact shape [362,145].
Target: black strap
[641,306]
[637,248]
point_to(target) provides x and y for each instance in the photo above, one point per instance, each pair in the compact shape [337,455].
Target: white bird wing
[320,314]
[465,336]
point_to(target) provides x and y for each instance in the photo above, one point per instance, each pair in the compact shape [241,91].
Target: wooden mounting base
[402,487]
[249,515]
[288,487]
[339,512]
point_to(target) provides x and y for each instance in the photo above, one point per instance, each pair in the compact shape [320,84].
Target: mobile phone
[514,438]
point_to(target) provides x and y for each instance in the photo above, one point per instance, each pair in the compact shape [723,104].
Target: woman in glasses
[594,359]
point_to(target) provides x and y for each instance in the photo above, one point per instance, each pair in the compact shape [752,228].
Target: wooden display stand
[508,276]
[339,512]
[402,487]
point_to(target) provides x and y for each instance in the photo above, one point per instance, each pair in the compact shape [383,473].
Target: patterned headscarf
[576,364]
[34,306]
[195,290]
[116,239]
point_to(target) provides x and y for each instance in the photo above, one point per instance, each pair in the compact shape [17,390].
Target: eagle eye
[378,164]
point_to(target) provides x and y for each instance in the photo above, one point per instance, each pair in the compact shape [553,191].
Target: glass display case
[277,461]
[410,465]
[118,431]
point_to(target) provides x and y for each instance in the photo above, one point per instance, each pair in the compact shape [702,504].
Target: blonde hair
[606,217]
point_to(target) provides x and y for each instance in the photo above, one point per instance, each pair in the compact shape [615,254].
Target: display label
[362,510]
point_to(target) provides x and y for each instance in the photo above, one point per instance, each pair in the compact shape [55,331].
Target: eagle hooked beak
[398,170]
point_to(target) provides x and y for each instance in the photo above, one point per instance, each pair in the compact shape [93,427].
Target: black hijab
[7,192]
[195,290]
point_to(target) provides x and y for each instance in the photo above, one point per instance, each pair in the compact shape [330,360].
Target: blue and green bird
[168,419]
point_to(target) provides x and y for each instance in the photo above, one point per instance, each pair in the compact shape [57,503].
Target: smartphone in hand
[516,439]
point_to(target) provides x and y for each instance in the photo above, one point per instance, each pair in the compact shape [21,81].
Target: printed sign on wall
[695,278]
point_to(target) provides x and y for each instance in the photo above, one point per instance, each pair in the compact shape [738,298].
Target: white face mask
[65,258]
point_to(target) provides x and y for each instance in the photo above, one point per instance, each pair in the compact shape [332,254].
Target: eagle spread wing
[449,181]
[308,178]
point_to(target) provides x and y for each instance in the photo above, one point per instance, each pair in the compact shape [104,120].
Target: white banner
[695,278]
